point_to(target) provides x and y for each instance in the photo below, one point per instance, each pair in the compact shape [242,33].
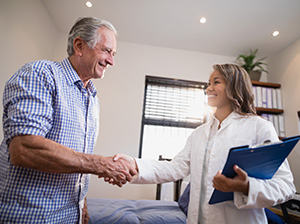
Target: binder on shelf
[259,96]
[255,95]
[265,116]
[271,118]
[274,99]
[260,162]
[279,100]
[281,125]
[276,124]
[264,97]
[269,98]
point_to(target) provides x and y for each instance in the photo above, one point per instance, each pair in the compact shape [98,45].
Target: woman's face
[216,91]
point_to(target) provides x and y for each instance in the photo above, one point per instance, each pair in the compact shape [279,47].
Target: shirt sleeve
[265,193]
[27,102]
[153,171]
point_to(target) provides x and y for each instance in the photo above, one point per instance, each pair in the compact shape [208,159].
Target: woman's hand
[239,183]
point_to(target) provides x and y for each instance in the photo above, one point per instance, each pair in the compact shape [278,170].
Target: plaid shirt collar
[73,78]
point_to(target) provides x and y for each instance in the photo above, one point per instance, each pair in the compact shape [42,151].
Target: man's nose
[110,60]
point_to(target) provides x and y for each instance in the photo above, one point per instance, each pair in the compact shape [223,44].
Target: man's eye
[109,51]
[106,50]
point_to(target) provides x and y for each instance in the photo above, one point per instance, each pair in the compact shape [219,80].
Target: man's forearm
[39,153]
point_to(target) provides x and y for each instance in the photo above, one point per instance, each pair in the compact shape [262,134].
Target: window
[172,110]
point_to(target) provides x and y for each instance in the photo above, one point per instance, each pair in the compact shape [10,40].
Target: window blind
[178,103]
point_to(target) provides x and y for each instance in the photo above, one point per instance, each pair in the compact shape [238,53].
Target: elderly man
[50,123]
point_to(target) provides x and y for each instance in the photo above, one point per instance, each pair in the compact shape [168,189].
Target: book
[260,162]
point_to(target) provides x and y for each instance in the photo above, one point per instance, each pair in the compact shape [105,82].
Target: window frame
[172,83]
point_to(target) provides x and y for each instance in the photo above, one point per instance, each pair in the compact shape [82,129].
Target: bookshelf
[268,103]
[265,84]
[261,110]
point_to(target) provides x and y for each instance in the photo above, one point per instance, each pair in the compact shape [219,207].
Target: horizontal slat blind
[174,102]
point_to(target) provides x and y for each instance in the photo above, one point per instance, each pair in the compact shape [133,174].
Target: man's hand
[85,214]
[118,170]
[239,183]
[123,159]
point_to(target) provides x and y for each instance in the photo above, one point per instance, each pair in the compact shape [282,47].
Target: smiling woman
[233,124]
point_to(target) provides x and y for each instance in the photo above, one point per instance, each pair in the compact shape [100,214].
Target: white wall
[284,68]
[27,34]
[121,95]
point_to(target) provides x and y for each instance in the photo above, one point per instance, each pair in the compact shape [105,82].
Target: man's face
[94,62]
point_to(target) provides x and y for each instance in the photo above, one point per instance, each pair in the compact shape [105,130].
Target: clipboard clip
[267,142]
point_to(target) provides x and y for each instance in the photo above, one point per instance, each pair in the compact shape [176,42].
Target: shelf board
[265,84]
[261,110]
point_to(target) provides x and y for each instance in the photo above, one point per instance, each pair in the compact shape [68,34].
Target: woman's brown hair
[238,89]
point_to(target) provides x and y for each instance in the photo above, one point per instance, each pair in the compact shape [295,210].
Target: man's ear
[78,44]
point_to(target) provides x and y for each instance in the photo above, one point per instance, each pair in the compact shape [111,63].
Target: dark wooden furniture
[292,205]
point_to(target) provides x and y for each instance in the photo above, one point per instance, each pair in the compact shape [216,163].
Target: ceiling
[233,26]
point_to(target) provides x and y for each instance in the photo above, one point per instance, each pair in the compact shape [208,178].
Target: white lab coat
[236,130]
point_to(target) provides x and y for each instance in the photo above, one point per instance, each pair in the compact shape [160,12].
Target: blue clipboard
[260,162]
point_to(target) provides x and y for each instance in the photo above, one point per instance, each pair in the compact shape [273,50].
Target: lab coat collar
[225,122]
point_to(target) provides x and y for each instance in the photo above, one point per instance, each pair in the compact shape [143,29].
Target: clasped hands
[119,169]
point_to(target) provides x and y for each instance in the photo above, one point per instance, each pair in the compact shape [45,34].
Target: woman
[234,123]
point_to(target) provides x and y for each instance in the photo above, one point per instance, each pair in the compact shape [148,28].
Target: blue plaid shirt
[48,99]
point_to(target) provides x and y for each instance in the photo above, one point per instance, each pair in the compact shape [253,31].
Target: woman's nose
[208,89]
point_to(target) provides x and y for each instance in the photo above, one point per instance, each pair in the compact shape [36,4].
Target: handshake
[118,169]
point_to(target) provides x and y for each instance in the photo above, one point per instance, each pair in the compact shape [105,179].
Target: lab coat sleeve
[153,171]
[265,193]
